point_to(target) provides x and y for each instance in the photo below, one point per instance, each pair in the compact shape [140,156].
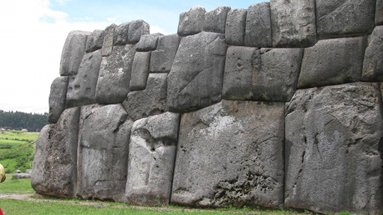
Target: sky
[33,33]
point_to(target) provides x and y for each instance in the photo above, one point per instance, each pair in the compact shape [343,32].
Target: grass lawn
[20,186]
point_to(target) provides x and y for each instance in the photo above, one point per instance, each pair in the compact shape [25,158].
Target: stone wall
[276,106]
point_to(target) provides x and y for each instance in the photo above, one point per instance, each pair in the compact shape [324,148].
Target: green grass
[16,150]
[19,186]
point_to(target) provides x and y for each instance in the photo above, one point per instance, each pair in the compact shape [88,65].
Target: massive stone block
[57,98]
[373,58]
[140,71]
[137,28]
[121,34]
[148,42]
[231,153]
[110,37]
[195,80]
[162,58]
[103,151]
[215,20]
[54,165]
[258,26]
[342,17]
[152,152]
[114,75]
[293,23]
[148,102]
[235,27]
[72,53]
[95,41]
[379,12]
[334,149]
[333,61]
[261,74]
[192,21]
[82,87]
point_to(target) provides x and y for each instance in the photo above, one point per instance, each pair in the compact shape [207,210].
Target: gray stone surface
[148,102]
[57,98]
[215,20]
[162,58]
[333,61]
[109,38]
[95,41]
[379,12]
[114,75]
[140,71]
[373,57]
[334,149]
[148,42]
[195,80]
[122,34]
[235,27]
[54,165]
[258,26]
[275,75]
[152,150]
[103,152]
[293,23]
[137,28]
[238,75]
[344,17]
[231,153]
[82,87]
[72,53]
[192,21]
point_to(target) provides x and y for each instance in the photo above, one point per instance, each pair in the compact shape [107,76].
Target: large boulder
[344,17]
[140,71]
[332,61]
[334,149]
[152,151]
[191,22]
[95,41]
[72,53]
[162,58]
[258,26]
[148,42]
[82,87]
[293,23]
[373,57]
[110,36]
[57,98]
[137,28]
[215,20]
[103,151]
[150,101]
[55,162]
[231,153]
[114,76]
[235,27]
[121,34]
[195,80]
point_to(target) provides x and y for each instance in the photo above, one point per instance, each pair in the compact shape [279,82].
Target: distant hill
[19,120]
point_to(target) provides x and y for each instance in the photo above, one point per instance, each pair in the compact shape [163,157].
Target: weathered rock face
[121,34]
[109,39]
[148,102]
[293,23]
[148,42]
[261,74]
[258,26]
[215,21]
[140,71]
[103,150]
[231,153]
[136,30]
[72,53]
[82,87]
[342,17]
[54,166]
[152,152]
[235,27]
[373,58]
[333,61]
[195,80]
[94,41]
[57,98]
[114,75]
[162,59]
[192,21]
[333,149]
[379,12]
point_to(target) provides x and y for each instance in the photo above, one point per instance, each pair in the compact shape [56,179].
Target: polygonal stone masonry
[57,98]
[72,53]
[162,58]
[191,22]
[373,57]
[235,27]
